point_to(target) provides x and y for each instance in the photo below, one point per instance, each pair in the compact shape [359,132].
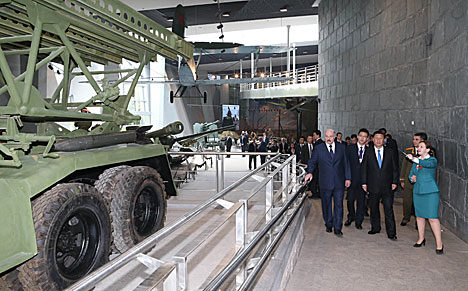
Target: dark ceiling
[238,11]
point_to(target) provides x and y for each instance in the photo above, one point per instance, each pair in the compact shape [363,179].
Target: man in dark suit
[284,146]
[244,141]
[228,145]
[356,194]
[335,175]
[314,185]
[300,147]
[262,147]
[379,177]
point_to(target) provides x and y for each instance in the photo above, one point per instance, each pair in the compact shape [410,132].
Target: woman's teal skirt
[426,205]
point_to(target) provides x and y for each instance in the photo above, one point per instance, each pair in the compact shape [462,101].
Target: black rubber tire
[106,182]
[134,187]
[9,281]
[59,215]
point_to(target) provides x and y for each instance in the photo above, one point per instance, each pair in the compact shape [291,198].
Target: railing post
[241,230]
[269,200]
[285,179]
[219,173]
[293,174]
[181,272]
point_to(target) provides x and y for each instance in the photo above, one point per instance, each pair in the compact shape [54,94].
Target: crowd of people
[365,168]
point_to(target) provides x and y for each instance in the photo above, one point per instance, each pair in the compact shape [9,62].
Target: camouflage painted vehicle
[69,198]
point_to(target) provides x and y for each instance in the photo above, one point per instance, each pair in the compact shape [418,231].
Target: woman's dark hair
[429,146]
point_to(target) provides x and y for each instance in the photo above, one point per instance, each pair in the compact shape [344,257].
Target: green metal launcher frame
[73,33]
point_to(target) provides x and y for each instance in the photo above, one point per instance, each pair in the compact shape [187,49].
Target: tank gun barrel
[203,134]
[207,125]
[170,129]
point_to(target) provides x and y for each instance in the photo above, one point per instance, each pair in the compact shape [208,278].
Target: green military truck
[68,198]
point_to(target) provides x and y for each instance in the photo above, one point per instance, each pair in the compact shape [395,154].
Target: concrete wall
[403,65]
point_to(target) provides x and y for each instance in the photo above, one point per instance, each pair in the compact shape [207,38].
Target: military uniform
[408,190]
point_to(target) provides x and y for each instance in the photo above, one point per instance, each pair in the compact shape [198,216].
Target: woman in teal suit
[426,194]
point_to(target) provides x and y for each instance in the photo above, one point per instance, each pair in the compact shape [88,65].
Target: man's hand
[413,178]
[394,186]
[347,183]
[364,187]
[402,185]
[308,177]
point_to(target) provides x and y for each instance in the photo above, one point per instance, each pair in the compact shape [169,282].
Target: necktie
[310,151]
[331,151]
[360,154]
[379,158]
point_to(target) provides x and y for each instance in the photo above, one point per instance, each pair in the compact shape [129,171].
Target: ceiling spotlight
[262,75]
[220,26]
[221,36]
[226,14]
[170,19]
[236,76]
[284,9]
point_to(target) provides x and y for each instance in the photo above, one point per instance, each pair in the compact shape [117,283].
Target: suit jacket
[299,153]
[352,152]
[332,171]
[425,173]
[317,142]
[245,140]
[379,180]
[284,149]
[306,154]
[262,147]
[229,142]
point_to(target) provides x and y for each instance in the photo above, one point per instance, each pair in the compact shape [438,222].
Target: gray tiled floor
[358,261]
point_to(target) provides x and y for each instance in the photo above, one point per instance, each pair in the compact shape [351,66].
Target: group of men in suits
[365,169]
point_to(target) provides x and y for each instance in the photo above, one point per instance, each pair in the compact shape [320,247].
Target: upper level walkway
[303,84]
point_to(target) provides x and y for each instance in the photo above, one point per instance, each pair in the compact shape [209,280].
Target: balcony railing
[300,76]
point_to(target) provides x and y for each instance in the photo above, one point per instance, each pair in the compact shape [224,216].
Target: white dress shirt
[311,148]
[363,151]
[381,153]
[333,147]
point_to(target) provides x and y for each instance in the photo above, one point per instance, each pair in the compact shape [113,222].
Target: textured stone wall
[403,65]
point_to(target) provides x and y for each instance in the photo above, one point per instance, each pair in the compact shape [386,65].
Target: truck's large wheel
[73,237]
[9,281]
[107,181]
[138,206]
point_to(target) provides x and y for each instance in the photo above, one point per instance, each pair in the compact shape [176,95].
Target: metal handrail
[302,75]
[145,245]
[227,271]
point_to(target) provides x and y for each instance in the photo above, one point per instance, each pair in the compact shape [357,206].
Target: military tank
[69,198]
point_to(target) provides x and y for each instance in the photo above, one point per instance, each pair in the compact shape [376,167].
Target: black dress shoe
[392,237]
[441,251]
[329,229]
[373,231]
[358,226]
[423,243]
[338,232]
[404,223]
[348,222]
